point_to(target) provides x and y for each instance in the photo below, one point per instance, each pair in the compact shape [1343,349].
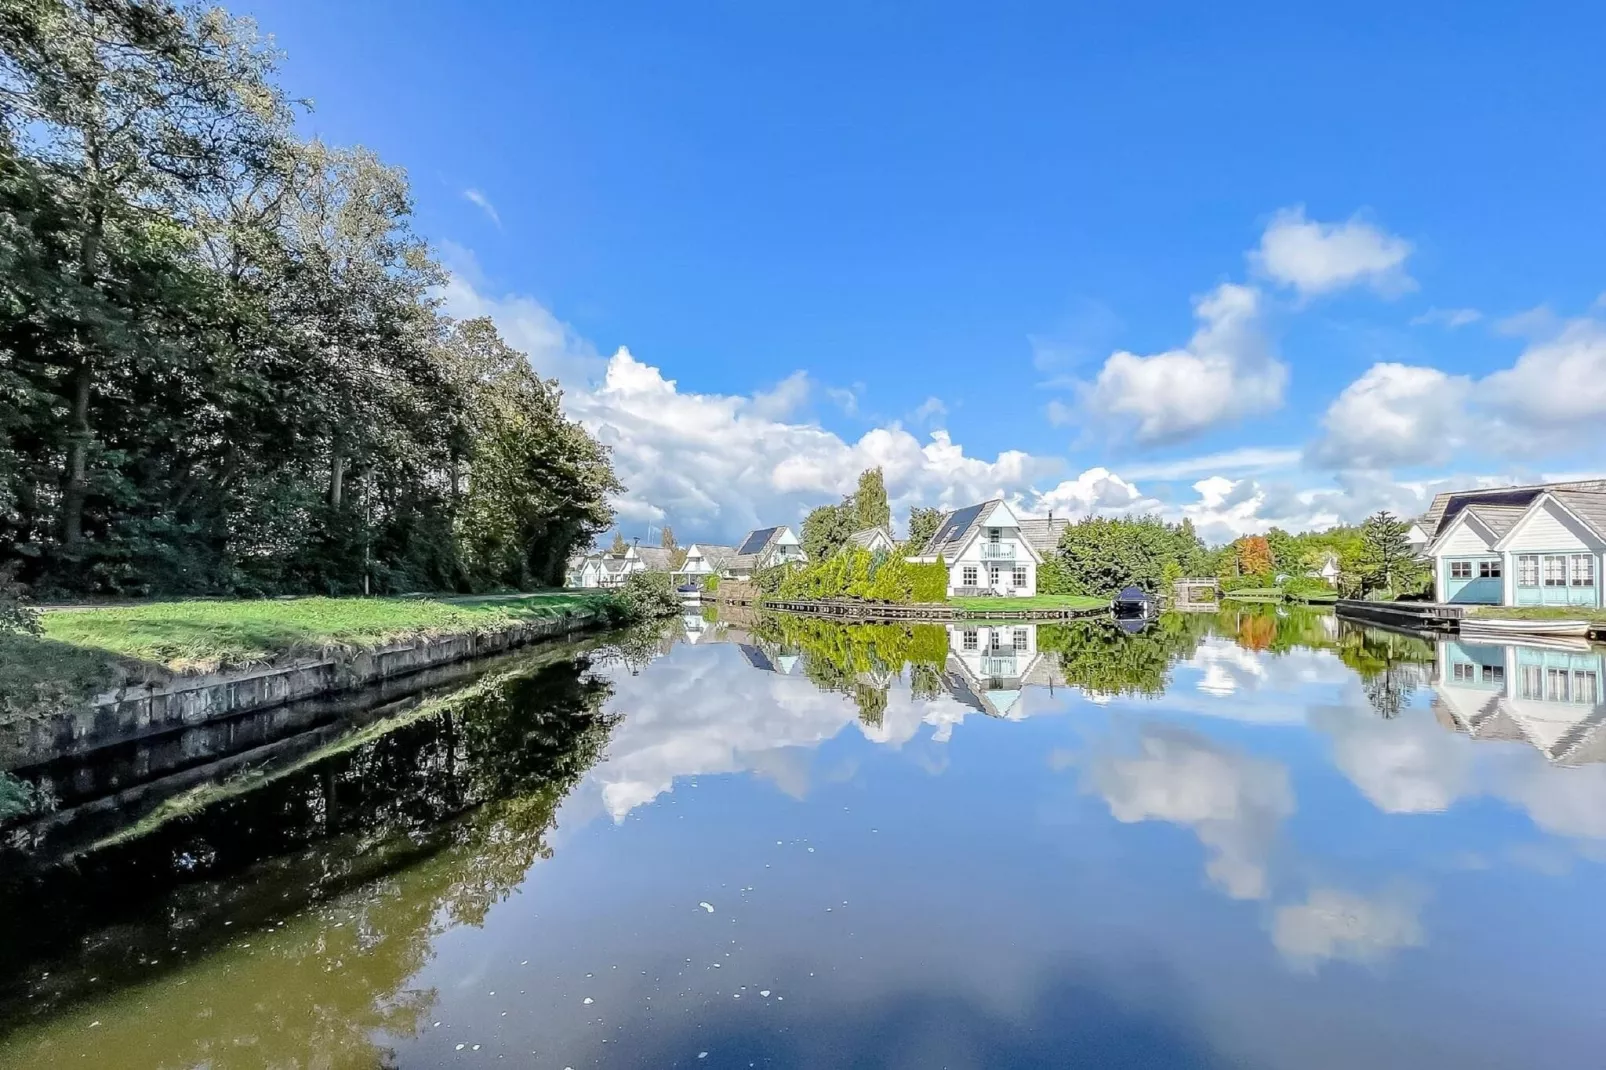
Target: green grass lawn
[204,635]
[1542,612]
[1036,601]
[85,651]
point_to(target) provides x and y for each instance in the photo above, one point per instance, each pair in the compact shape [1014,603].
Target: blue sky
[953,220]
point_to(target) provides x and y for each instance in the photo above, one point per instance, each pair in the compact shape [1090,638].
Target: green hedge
[879,577]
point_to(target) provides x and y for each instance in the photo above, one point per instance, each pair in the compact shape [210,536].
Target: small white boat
[1503,628]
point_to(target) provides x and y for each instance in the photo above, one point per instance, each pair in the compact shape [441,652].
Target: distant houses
[1537,545]
[990,549]
[764,548]
[704,559]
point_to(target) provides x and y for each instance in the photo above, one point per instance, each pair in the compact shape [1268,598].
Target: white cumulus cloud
[1317,258]
[1394,415]
[1226,372]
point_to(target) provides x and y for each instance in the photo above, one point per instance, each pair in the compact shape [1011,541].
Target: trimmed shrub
[711,584]
[646,596]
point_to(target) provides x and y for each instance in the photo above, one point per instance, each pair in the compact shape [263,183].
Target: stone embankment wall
[138,711]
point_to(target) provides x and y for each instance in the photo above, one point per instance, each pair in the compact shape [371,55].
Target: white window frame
[1488,570]
[1583,576]
[1554,570]
[995,576]
[969,639]
[1018,576]
[1460,570]
[970,576]
[1528,570]
[1018,640]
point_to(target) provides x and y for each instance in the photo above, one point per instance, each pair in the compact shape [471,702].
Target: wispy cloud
[931,411]
[1241,461]
[484,204]
[1447,317]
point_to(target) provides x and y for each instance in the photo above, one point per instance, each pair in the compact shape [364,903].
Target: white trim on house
[1548,553]
[1009,568]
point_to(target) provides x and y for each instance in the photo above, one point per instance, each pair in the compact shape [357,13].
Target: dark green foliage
[1053,577]
[1101,555]
[826,529]
[870,501]
[222,369]
[1386,564]
[646,596]
[16,616]
[923,524]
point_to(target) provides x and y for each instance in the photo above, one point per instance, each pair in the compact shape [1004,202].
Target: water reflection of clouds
[708,711]
[1336,924]
[1233,802]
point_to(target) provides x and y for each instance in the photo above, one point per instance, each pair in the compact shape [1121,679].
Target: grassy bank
[201,636]
[1036,601]
[1593,613]
[85,651]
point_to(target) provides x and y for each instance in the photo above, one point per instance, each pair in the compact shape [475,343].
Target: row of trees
[223,367]
[1100,555]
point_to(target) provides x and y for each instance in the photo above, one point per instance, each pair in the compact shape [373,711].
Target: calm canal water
[1245,840]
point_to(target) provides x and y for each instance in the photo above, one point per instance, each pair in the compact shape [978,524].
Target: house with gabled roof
[876,540]
[1550,695]
[764,548]
[704,559]
[991,549]
[1538,545]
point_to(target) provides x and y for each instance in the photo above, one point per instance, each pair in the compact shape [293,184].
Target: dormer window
[994,534]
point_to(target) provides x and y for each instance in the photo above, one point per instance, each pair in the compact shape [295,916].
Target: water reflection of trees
[422,827]
[860,660]
[1103,659]
[1391,665]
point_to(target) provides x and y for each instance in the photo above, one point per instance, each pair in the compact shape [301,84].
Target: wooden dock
[1418,616]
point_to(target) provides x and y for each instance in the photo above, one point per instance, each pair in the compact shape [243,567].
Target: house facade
[990,549]
[764,548]
[1539,545]
[1550,697]
[704,559]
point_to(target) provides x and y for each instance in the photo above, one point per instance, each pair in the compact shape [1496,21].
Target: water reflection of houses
[1549,696]
[989,665]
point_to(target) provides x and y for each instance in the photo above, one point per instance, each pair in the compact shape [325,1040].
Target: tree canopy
[223,368]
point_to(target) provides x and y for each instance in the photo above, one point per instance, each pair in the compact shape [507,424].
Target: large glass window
[1528,570]
[1555,570]
[1583,570]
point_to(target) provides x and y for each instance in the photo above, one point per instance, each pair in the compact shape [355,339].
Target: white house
[1329,570]
[704,559]
[990,549]
[1550,697]
[989,665]
[876,540]
[764,548]
[1539,545]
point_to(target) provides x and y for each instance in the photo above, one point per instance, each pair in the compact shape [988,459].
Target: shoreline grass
[202,636]
[84,651]
[1590,613]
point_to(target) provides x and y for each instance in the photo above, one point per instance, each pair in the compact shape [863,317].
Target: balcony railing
[1001,667]
[998,551]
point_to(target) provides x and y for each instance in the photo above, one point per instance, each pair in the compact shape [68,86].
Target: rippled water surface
[1236,840]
